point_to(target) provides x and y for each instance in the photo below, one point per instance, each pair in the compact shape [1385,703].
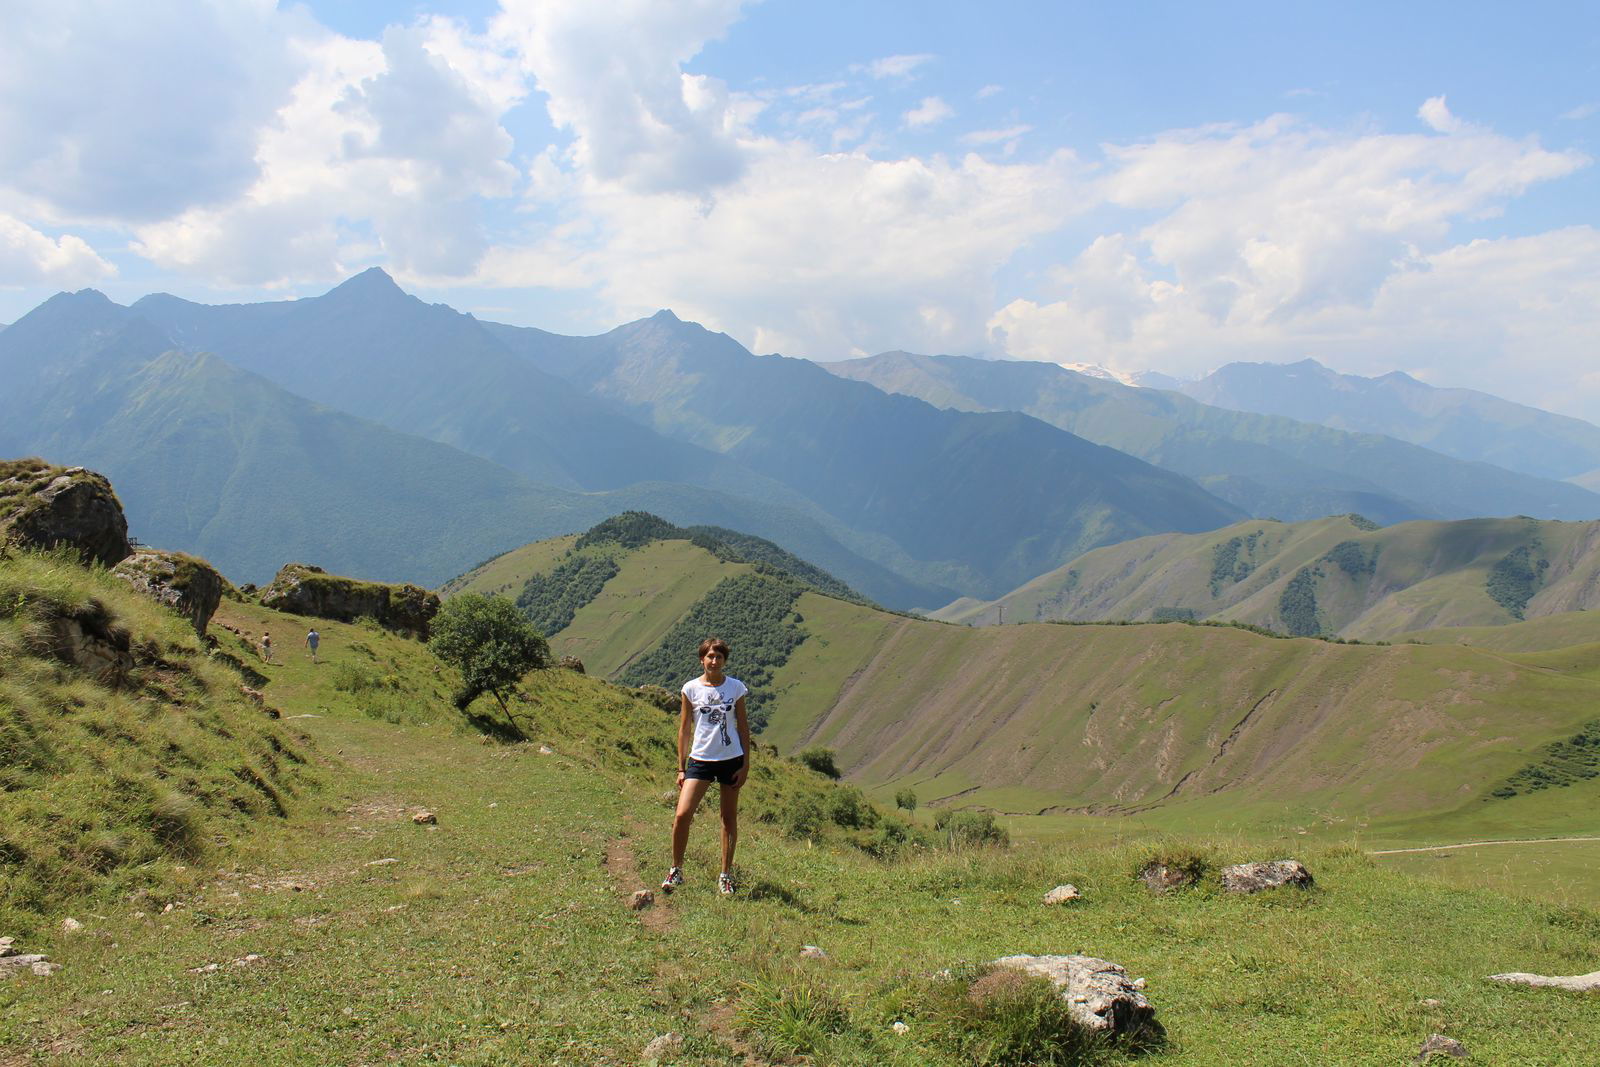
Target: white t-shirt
[716,728]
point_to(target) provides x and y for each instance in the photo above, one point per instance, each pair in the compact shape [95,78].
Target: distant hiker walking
[313,639]
[713,746]
[266,648]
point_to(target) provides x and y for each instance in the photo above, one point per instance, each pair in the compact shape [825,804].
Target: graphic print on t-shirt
[717,715]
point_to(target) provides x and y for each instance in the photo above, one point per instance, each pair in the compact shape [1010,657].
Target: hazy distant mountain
[1339,575]
[1267,465]
[369,348]
[1457,422]
[975,499]
[215,460]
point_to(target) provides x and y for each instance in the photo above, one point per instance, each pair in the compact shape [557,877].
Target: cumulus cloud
[1279,240]
[28,257]
[383,149]
[125,112]
[1437,115]
[819,255]
[930,112]
[612,74]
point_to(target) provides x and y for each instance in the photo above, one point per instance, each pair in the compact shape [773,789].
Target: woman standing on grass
[711,748]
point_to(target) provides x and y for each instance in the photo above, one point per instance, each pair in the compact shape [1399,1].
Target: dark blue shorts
[720,771]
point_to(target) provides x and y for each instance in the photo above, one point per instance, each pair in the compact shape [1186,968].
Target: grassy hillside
[110,773]
[1180,726]
[1212,726]
[1338,576]
[345,933]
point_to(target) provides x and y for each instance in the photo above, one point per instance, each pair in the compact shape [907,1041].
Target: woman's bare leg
[689,797]
[730,825]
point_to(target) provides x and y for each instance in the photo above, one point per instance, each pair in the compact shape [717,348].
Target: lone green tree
[490,643]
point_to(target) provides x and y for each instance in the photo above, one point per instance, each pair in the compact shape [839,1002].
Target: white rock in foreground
[1061,894]
[1581,983]
[1099,994]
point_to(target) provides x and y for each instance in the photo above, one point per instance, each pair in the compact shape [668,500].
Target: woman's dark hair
[713,643]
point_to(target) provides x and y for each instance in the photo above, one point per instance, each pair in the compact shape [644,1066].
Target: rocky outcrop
[1099,994]
[301,589]
[87,638]
[43,506]
[191,587]
[1274,874]
[1062,894]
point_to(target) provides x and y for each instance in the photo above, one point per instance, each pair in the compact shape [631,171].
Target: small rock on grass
[383,862]
[812,952]
[1439,1045]
[665,1045]
[1254,877]
[1099,994]
[900,1027]
[36,962]
[1061,894]
[7,946]
[1163,879]
[1580,983]
[425,818]
[69,925]
[642,898]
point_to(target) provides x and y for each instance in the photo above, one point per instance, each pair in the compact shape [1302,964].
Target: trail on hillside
[1480,844]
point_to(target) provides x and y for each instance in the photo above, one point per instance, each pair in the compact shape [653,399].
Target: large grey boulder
[1099,994]
[42,506]
[191,587]
[1273,874]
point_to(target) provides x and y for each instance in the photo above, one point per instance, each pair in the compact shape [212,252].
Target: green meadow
[340,931]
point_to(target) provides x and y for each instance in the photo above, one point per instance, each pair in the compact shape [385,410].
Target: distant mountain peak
[374,283]
[665,315]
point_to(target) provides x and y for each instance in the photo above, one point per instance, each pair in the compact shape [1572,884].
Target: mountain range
[376,434]
[1265,464]
[911,504]
[1463,423]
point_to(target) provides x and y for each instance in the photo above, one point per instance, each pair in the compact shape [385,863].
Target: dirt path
[1480,844]
[624,870]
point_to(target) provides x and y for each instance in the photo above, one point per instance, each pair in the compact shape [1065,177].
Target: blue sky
[1143,186]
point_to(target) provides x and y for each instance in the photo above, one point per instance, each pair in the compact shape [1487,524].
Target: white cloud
[383,150]
[1279,240]
[930,112]
[987,91]
[123,112]
[1437,115]
[1582,111]
[819,255]
[28,257]
[983,137]
[902,66]
[613,76]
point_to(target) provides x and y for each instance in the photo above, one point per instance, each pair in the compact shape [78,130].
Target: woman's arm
[685,733]
[744,739]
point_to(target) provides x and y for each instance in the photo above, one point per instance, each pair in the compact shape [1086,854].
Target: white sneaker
[673,879]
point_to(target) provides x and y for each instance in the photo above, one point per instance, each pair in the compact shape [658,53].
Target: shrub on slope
[153,752]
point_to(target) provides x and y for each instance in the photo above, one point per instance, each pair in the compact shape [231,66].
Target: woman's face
[713,660]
